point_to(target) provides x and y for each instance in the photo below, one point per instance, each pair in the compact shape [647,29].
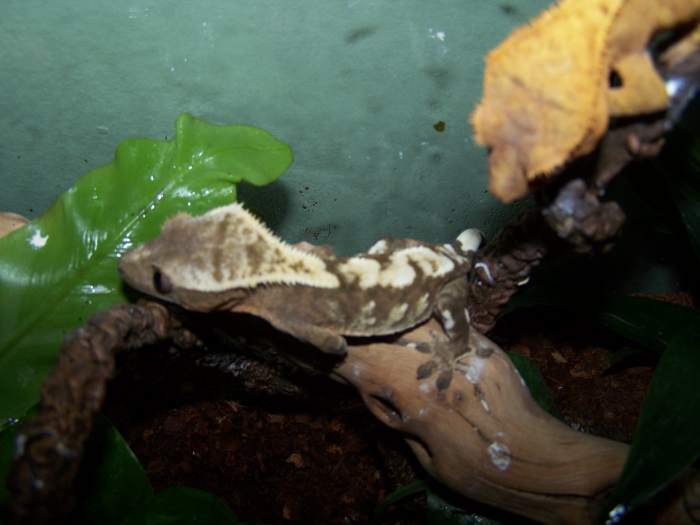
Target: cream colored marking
[366,317]
[422,303]
[277,262]
[365,271]
[487,270]
[378,248]
[423,412]
[500,455]
[470,240]
[397,312]
[425,259]
[485,405]
[449,248]
[447,320]
[524,281]
[399,273]
[467,316]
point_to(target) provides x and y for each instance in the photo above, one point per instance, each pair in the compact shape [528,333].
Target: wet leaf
[667,438]
[61,268]
[111,481]
[180,505]
[534,381]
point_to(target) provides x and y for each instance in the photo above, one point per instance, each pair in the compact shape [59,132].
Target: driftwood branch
[485,437]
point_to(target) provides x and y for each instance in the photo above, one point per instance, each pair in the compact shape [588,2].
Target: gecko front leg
[450,310]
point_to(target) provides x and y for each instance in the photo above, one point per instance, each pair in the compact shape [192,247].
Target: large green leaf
[180,505]
[667,438]
[61,268]
[111,481]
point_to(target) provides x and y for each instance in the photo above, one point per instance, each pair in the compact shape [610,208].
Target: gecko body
[227,260]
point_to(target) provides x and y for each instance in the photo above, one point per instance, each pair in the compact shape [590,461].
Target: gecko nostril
[161,282]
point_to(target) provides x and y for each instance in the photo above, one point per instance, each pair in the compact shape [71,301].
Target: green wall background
[354,86]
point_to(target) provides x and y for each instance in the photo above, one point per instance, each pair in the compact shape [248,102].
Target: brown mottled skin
[321,316]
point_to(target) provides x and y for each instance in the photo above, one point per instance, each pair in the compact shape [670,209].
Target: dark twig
[49,446]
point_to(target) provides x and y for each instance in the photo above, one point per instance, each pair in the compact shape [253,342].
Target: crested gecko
[227,260]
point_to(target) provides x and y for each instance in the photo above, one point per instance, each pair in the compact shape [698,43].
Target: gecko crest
[241,252]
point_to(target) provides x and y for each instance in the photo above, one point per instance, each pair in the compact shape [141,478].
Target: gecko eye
[161,283]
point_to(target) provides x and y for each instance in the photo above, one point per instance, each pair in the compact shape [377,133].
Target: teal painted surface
[354,86]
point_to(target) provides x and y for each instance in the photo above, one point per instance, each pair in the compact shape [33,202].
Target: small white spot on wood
[426,387]
[500,455]
[423,412]
[473,370]
[357,369]
[467,316]
[485,405]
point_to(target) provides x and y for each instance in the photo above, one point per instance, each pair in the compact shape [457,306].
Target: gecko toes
[423,347]
[425,370]
[444,379]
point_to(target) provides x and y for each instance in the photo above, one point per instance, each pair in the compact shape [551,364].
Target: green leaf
[667,438]
[177,505]
[111,481]
[534,381]
[648,322]
[403,492]
[58,270]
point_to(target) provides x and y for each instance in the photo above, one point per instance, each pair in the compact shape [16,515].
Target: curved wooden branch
[485,437]
[50,445]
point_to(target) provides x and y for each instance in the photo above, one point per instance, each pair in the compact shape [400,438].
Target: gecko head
[213,260]
[152,267]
